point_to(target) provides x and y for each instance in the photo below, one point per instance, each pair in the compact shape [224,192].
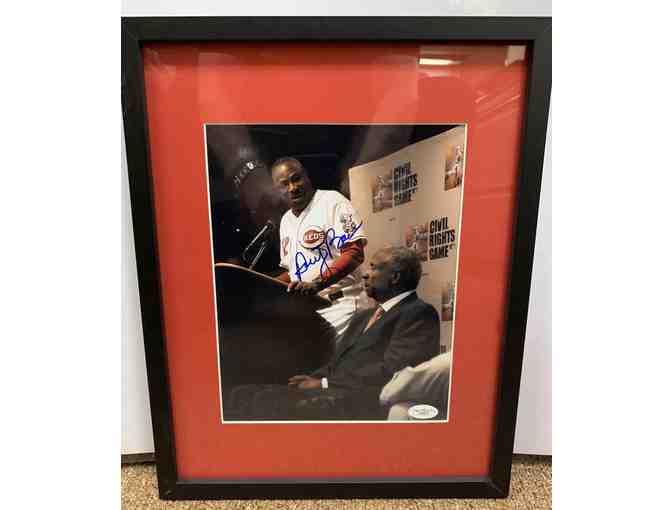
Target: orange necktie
[377,315]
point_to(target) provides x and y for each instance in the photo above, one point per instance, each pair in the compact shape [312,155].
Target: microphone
[349,291]
[266,230]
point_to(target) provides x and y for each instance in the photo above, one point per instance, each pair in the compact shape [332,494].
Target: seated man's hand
[305,382]
[305,288]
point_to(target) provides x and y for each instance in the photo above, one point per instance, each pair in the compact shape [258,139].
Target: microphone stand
[263,235]
[262,248]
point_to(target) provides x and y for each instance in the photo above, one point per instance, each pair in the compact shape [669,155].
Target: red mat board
[188,85]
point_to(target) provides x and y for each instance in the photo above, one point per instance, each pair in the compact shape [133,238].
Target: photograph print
[335,259]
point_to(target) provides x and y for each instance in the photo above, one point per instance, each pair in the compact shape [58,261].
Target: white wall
[533,427]
[136,423]
[533,433]
[337,8]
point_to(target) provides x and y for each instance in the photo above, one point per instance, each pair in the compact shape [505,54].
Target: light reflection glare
[438,62]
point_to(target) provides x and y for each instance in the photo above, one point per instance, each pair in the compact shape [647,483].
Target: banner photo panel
[413,198]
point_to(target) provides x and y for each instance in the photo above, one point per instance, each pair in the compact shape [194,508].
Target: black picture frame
[535,33]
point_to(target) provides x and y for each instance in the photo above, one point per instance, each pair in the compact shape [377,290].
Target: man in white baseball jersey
[322,236]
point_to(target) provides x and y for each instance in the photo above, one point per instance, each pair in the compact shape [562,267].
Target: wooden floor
[530,489]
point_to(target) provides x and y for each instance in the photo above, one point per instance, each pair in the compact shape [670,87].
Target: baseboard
[136,458]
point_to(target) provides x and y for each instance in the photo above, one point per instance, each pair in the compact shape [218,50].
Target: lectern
[265,334]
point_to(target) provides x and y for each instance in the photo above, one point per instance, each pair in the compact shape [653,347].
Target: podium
[265,334]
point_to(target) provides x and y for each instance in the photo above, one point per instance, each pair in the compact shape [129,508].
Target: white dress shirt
[387,305]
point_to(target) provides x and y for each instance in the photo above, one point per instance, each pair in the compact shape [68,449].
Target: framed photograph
[334,224]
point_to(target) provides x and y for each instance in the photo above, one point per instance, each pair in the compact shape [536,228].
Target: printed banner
[413,198]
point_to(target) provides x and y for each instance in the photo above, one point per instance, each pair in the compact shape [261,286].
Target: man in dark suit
[401,331]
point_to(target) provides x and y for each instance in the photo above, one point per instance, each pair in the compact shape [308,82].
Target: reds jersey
[310,242]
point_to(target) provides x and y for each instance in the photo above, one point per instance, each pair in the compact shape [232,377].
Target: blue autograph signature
[322,252]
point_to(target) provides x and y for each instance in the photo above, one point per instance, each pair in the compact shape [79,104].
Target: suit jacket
[405,336]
